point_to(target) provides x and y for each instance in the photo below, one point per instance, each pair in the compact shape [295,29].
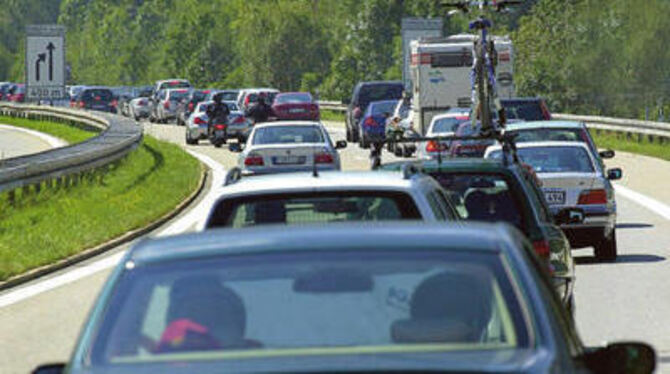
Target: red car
[18,93]
[295,106]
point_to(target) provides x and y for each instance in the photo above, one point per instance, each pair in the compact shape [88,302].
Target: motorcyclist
[260,111]
[217,113]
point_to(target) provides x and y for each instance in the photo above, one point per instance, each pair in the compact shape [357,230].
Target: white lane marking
[76,273]
[652,204]
[53,141]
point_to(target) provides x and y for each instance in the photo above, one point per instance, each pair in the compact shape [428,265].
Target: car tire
[190,141]
[606,249]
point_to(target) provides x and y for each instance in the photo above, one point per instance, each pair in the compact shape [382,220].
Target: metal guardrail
[631,127]
[118,136]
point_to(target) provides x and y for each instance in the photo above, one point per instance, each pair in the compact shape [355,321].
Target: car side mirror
[622,358]
[569,216]
[614,174]
[50,369]
[340,144]
[235,147]
[608,153]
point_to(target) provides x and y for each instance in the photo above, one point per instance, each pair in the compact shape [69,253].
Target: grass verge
[56,223]
[618,141]
[330,115]
[68,133]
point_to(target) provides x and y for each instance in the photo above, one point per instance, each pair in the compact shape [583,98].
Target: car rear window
[97,95]
[538,135]
[288,135]
[376,92]
[229,96]
[293,98]
[482,197]
[445,125]
[178,95]
[174,84]
[382,108]
[301,208]
[302,304]
[523,110]
[554,159]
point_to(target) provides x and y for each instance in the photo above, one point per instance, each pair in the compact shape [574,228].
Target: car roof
[312,238]
[370,83]
[326,181]
[447,115]
[461,164]
[287,123]
[532,125]
[544,144]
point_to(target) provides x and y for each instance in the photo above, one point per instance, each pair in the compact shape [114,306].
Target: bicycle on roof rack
[482,76]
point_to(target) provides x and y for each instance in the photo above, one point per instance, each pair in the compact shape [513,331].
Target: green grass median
[42,228]
[619,142]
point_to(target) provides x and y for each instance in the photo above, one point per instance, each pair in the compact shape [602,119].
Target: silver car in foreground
[571,177]
[196,124]
[288,146]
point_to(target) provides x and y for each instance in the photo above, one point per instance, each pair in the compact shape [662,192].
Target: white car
[303,198]
[196,124]
[571,177]
[444,124]
[168,102]
[288,146]
[248,96]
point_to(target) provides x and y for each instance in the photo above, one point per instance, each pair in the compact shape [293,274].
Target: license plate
[288,160]
[296,110]
[555,197]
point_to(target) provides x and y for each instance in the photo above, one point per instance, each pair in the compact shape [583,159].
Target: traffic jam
[452,253]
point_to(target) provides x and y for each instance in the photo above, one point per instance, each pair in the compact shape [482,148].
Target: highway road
[15,141]
[626,300]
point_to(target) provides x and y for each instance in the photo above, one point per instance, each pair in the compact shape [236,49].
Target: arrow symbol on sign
[41,57]
[51,48]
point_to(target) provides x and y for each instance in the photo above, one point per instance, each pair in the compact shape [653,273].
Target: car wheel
[606,250]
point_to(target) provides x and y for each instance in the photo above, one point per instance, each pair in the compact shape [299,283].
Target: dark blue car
[372,126]
[400,298]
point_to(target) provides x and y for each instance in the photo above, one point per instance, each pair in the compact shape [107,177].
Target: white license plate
[556,197]
[288,160]
[296,110]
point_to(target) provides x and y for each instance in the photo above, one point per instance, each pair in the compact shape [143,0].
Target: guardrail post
[25,191]
[38,188]
[11,197]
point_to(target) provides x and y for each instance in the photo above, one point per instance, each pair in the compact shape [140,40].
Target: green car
[490,191]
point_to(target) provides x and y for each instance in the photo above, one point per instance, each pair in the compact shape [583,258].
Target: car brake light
[543,250]
[82,104]
[253,160]
[370,122]
[239,119]
[190,107]
[323,158]
[114,103]
[220,126]
[589,197]
[434,146]
[166,105]
[357,112]
[199,121]
[142,103]
[246,101]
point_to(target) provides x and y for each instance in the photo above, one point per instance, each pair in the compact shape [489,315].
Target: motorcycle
[217,134]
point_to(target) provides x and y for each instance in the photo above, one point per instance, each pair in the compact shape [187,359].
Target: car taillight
[357,112]
[370,122]
[190,107]
[434,146]
[199,121]
[543,250]
[142,103]
[589,197]
[114,103]
[219,126]
[239,119]
[246,101]
[166,105]
[253,160]
[82,104]
[323,158]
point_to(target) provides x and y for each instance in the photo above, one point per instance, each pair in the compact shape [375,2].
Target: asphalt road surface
[16,142]
[626,300]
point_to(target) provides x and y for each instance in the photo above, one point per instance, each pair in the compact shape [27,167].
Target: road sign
[45,62]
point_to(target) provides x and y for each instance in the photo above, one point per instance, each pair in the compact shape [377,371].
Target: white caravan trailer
[440,73]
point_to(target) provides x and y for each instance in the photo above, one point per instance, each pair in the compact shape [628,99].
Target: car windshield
[301,208]
[300,304]
[382,108]
[523,110]
[538,135]
[482,197]
[229,96]
[445,125]
[293,98]
[288,134]
[554,159]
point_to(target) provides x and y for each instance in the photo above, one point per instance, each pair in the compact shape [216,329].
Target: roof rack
[233,176]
